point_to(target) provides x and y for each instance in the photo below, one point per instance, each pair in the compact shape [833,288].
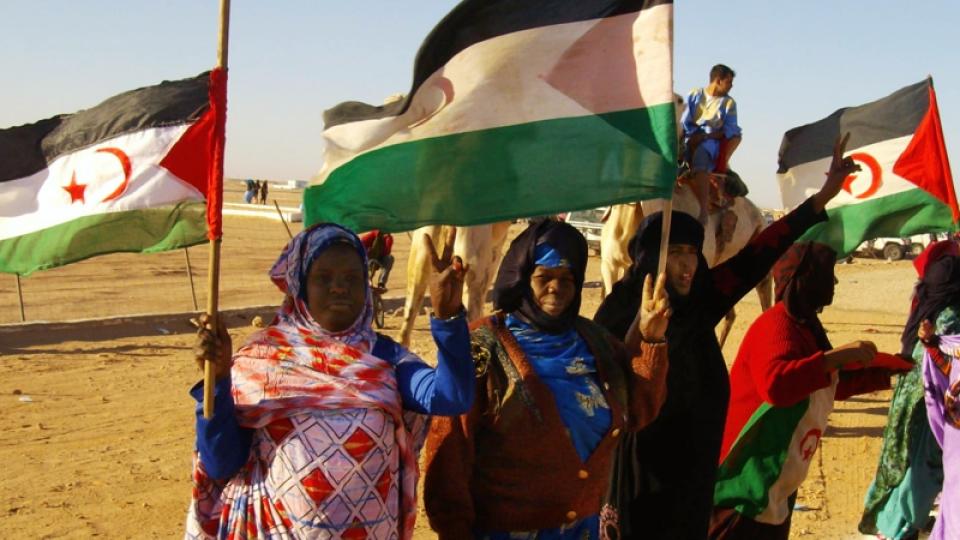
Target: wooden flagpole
[193,290]
[665,235]
[23,316]
[282,220]
[667,209]
[213,271]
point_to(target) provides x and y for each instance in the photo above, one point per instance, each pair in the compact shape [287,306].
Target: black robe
[664,476]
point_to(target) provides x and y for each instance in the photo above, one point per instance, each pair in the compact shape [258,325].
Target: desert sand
[98,426]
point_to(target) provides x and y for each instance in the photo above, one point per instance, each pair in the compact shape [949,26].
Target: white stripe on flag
[802,181]
[40,201]
[514,78]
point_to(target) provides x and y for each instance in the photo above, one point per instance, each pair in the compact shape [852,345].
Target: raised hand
[446,278]
[214,346]
[840,169]
[926,331]
[654,315]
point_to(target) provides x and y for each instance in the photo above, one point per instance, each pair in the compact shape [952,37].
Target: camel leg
[765,292]
[727,325]
[608,275]
[418,276]
[499,233]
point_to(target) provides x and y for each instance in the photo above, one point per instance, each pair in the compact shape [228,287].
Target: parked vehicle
[589,223]
[894,249]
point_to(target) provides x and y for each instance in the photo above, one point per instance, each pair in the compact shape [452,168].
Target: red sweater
[368,238]
[780,363]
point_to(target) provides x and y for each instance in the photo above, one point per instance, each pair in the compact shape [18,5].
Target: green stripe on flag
[502,173]
[756,458]
[138,231]
[904,214]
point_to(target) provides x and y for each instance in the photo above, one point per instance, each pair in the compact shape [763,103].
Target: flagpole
[23,316]
[665,235]
[193,290]
[213,271]
[282,220]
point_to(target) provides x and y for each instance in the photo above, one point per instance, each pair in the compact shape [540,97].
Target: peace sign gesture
[655,309]
[446,278]
[840,168]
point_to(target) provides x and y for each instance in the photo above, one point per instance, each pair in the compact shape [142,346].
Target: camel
[480,247]
[624,219]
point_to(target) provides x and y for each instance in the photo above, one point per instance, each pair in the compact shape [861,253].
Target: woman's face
[553,289]
[682,262]
[336,291]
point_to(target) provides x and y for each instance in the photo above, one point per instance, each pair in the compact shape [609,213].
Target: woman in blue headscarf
[555,391]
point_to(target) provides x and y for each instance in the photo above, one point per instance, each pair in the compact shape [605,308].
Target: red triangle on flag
[189,158]
[925,161]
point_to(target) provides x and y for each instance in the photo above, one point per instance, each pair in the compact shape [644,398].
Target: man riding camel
[711,135]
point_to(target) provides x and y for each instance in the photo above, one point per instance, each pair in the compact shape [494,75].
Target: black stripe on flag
[28,149]
[896,115]
[473,21]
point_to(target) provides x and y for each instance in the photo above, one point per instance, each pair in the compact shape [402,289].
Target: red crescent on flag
[125,163]
[445,86]
[875,175]
[808,445]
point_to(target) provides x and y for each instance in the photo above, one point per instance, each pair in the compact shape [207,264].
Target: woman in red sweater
[782,387]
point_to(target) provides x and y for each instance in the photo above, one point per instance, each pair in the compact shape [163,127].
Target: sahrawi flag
[136,173]
[905,186]
[518,108]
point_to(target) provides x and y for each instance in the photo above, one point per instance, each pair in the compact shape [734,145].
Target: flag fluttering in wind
[905,186]
[135,173]
[518,108]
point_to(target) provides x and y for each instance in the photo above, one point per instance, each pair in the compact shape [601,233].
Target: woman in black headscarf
[665,475]
[556,392]
[663,479]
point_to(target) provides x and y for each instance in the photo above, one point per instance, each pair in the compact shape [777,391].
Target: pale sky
[796,62]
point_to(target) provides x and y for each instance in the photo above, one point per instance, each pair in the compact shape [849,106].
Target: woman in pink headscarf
[317,419]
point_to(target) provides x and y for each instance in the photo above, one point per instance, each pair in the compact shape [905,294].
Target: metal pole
[23,317]
[193,290]
[279,213]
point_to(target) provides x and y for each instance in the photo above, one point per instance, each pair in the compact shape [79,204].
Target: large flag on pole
[518,108]
[136,173]
[905,186]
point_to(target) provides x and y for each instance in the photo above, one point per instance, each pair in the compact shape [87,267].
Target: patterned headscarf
[290,272]
[294,367]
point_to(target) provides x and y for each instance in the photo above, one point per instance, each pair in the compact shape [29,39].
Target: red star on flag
[75,190]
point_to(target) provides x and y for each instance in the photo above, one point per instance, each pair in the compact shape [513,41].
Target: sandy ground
[102,447]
